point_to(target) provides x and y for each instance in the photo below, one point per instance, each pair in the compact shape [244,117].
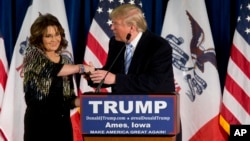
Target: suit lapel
[140,48]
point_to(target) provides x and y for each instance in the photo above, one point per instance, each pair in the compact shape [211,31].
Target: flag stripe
[228,112]
[98,50]
[241,44]
[224,124]
[3,66]
[75,119]
[235,109]
[238,76]
[241,61]
[2,136]
[3,74]
[233,87]
[89,54]
[99,34]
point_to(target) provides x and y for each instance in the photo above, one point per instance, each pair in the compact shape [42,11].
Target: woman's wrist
[85,69]
[81,69]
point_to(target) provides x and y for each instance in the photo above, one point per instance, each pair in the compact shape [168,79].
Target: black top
[47,117]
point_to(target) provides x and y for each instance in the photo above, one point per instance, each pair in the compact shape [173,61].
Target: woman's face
[51,39]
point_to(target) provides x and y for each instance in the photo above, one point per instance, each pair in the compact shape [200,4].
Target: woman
[48,83]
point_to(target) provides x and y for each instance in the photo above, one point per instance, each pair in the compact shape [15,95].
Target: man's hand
[98,75]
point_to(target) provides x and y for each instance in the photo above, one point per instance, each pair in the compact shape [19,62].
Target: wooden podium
[159,112]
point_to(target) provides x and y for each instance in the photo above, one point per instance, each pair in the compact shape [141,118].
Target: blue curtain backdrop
[222,15]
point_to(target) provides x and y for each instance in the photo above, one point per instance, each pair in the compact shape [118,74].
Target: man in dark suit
[150,69]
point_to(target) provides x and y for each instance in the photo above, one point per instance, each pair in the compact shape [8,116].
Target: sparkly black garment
[48,98]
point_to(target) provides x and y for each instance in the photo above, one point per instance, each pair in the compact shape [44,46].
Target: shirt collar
[136,39]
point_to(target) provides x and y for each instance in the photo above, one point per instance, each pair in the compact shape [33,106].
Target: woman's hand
[89,68]
[77,102]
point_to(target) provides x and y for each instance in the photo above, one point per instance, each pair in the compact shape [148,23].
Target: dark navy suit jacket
[150,70]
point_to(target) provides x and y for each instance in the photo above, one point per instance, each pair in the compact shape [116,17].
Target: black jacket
[150,70]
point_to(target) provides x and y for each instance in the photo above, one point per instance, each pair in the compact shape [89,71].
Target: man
[149,70]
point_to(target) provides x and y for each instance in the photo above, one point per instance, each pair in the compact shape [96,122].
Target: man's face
[120,29]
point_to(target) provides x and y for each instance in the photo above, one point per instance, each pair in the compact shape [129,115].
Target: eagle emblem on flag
[199,56]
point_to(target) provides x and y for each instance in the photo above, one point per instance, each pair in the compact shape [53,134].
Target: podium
[130,117]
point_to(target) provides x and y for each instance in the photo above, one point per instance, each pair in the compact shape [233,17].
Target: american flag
[99,35]
[236,94]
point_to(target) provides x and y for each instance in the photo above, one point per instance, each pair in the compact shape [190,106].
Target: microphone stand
[98,88]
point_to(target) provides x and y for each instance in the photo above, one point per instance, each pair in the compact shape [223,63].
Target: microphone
[98,88]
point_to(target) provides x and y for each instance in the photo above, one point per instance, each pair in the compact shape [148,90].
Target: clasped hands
[96,75]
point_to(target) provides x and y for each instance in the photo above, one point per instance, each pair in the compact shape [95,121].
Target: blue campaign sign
[106,114]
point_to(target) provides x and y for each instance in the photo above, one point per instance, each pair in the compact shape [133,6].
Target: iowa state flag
[98,37]
[3,70]
[236,95]
[13,106]
[186,28]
